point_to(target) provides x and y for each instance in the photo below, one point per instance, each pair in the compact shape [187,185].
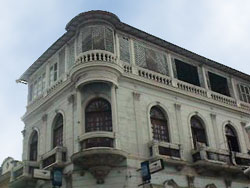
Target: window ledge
[96,134]
[54,151]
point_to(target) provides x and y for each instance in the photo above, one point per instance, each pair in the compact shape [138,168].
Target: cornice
[115,21]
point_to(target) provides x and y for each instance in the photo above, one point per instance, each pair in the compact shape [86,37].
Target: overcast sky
[216,29]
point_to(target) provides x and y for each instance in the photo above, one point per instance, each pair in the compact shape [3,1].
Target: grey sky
[218,30]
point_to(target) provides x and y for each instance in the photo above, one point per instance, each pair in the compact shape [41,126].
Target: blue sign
[145,172]
[57,178]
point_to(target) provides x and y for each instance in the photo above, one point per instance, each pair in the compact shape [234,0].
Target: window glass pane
[86,39]
[98,116]
[187,72]
[98,38]
[159,124]
[124,49]
[109,43]
[150,58]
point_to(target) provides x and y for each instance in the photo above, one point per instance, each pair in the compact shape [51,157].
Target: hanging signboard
[156,166]
[42,174]
[145,172]
[57,177]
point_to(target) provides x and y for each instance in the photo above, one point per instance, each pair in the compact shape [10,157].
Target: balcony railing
[21,175]
[223,99]
[208,158]
[191,88]
[147,74]
[168,82]
[162,149]
[57,157]
[97,139]
[95,55]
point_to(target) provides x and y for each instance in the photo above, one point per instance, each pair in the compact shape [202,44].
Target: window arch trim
[106,116]
[57,129]
[31,136]
[165,112]
[236,132]
[203,122]
[198,130]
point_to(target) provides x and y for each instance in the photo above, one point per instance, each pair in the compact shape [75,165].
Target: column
[80,126]
[117,47]
[170,66]
[215,130]
[246,139]
[179,126]
[66,57]
[44,133]
[115,116]
[235,91]
[136,99]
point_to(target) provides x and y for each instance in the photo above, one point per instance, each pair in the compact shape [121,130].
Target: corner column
[114,115]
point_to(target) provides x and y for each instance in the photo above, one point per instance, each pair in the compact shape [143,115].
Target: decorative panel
[98,38]
[71,58]
[150,59]
[86,39]
[124,49]
[109,42]
[61,62]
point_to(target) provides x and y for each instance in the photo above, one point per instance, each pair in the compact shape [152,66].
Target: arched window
[33,146]
[159,124]
[98,116]
[198,131]
[232,139]
[58,131]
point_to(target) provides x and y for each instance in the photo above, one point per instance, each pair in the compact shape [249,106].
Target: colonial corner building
[106,97]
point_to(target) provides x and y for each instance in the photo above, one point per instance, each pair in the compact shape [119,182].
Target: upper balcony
[96,65]
[98,154]
[209,159]
[56,158]
[21,175]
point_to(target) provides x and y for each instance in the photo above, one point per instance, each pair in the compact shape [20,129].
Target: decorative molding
[23,132]
[136,96]
[190,180]
[211,186]
[177,106]
[228,183]
[45,117]
[171,183]
[100,173]
[213,115]
[71,98]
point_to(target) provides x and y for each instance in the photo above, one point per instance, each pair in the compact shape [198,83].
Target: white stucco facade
[121,72]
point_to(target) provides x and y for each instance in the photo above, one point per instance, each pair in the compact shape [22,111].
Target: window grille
[58,131]
[150,59]
[33,147]
[232,139]
[124,49]
[98,116]
[198,131]
[97,38]
[53,74]
[244,93]
[159,124]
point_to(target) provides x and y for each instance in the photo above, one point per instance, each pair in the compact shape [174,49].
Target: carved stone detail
[100,173]
[190,180]
[211,186]
[228,183]
[136,96]
[170,184]
[177,106]
[45,117]
[71,98]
